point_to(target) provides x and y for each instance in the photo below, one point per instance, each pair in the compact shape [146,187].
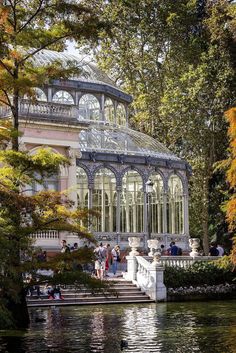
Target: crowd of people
[107,258]
[108,261]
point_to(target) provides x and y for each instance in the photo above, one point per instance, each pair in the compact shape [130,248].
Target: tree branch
[31,17]
[44,47]
[7,96]
[4,102]
[6,68]
[13,6]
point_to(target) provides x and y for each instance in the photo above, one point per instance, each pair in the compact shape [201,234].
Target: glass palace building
[86,118]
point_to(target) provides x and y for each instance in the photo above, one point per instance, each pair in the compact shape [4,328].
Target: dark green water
[208,327]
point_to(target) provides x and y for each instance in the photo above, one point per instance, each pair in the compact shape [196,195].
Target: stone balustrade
[45,234]
[47,239]
[46,109]
[147,271]
[147,276]
[182,261]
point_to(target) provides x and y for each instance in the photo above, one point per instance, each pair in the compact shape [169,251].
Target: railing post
[132,268]
[158,290]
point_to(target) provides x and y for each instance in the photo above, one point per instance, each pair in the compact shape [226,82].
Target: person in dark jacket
[174,249]
[213,251]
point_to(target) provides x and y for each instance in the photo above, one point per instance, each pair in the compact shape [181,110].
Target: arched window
[63,97]
[175,209]
[109,111]
[51,183]
[39,95]
[82,187]
[89,108]
[156,207]
[120,114]
[103,201]
[131,211]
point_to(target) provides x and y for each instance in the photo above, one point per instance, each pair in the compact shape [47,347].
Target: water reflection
[150,328]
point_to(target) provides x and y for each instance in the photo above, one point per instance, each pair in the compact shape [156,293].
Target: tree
[230,164]
[178,61]
[26,28]
[22,214]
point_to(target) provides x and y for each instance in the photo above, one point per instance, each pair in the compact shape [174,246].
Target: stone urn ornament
[153,245]
[194,244]
[156,257]
[134,243]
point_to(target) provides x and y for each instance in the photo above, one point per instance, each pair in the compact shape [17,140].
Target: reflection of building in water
[141,329]
[53,335]
[86,118]
[98,333]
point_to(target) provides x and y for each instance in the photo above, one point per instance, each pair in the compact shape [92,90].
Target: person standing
[174,249]
[220,250]
[162,249]
[107,247]
[100,254]
[213,251]
[115,253]
[65,248]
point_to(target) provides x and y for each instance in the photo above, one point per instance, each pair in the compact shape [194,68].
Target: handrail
[45,234]
[147,272]
[182,261]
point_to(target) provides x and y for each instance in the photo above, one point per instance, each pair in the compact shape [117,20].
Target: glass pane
[104,200]
[120,139]
[132,197]
[89,108]
[156,207]
[109,110]
[48,184]
[120,114]
[63,97]
[175,210]
[40,95]
[82,187]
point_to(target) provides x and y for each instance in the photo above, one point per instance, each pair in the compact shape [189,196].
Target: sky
[71,48]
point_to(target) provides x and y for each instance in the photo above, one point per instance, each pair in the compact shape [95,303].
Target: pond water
[206,327]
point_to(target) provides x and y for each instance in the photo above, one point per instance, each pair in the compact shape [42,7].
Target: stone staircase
[122,292]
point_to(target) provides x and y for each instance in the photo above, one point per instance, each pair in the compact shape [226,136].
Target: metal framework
[116,161]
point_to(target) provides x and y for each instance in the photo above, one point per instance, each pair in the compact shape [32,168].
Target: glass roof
[122,140]
[87,71]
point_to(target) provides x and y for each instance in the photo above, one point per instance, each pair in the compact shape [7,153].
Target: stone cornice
[44,125]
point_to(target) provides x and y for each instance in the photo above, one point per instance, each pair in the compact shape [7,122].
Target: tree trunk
[205,216]
[19,310]
[15,113]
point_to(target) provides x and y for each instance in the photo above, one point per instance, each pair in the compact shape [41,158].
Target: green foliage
[177,58]
[200,273]
[23,213]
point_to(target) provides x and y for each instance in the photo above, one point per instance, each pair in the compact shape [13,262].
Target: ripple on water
[149,328]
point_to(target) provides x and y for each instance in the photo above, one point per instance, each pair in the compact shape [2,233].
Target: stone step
[95,302]
[90,300]
[113,288]
[124,292]
[88,294]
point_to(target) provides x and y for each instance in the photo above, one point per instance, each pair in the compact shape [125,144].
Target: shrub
[198,274]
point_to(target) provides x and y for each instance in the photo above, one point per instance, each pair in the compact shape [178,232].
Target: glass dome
[121,140]
[87,70]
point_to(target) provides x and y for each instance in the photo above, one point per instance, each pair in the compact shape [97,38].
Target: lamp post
[149,191]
